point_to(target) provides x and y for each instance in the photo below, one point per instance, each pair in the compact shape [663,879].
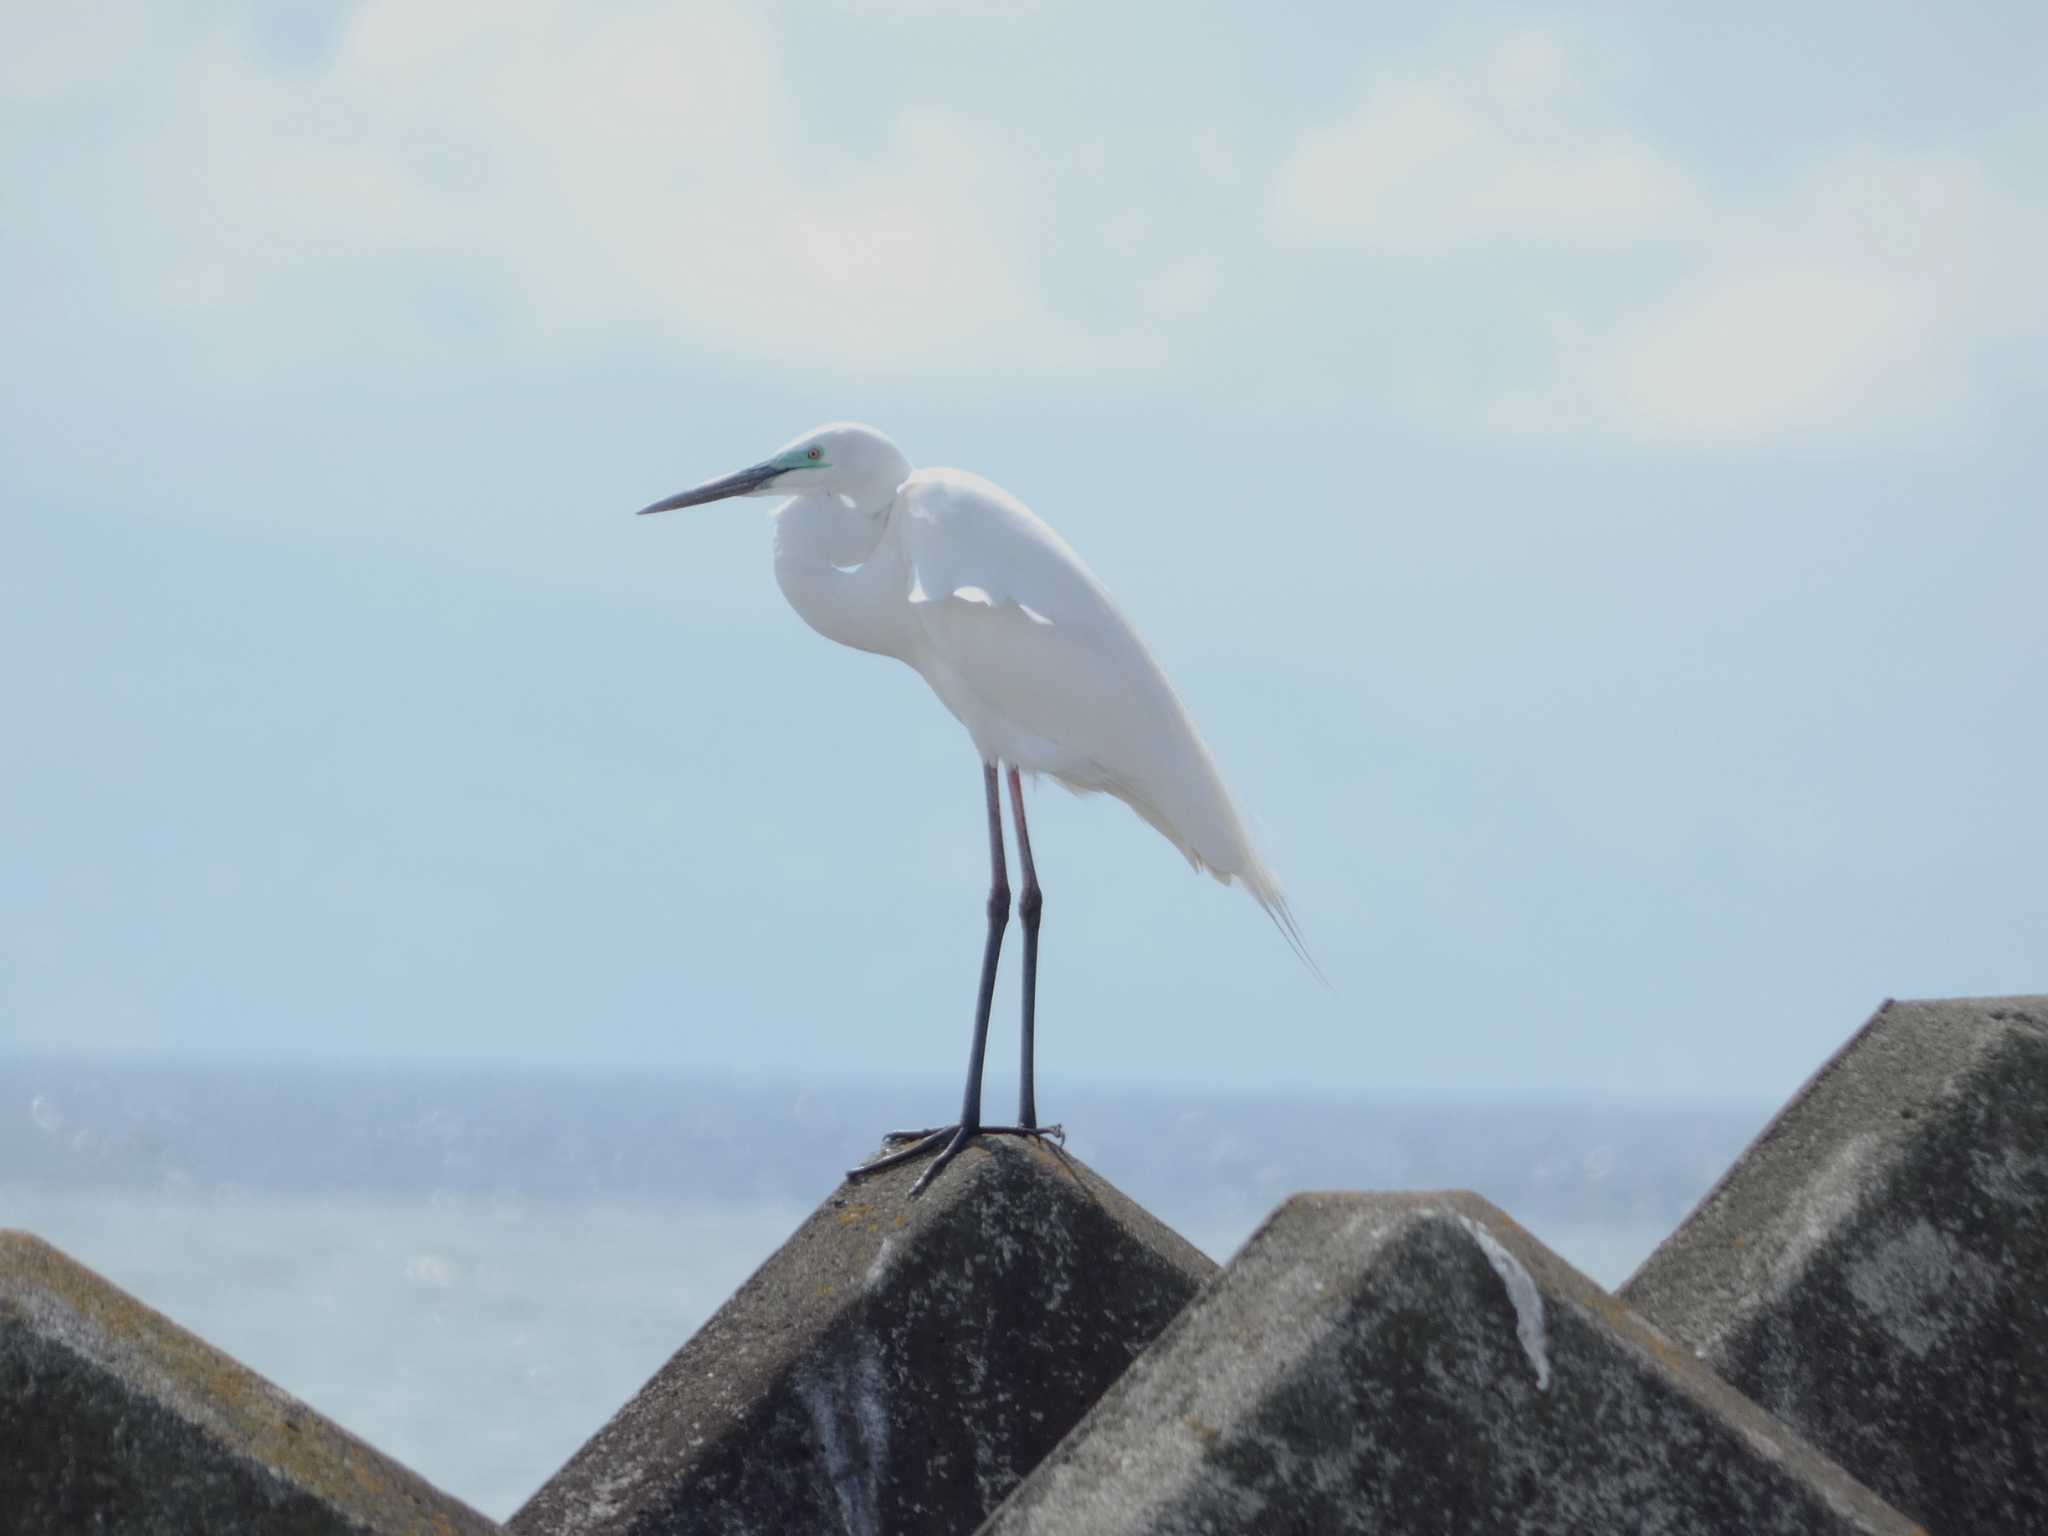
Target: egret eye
[815,454]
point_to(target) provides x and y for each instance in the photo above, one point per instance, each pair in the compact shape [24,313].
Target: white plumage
[959,579]
[1032,654]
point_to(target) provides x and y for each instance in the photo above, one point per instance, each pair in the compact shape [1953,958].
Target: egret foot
[1056,1132]
[950,1139]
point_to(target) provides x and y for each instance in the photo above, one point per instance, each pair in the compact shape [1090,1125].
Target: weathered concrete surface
[1874,1269]
[114,1419]
[896,1366]
[1418,1363]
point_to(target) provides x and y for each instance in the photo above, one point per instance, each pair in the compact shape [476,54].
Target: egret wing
[1022,625]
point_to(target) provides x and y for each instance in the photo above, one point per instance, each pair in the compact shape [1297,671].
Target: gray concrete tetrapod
[114,1419]
[1418,1363]
[896,1366]
[1874,1269]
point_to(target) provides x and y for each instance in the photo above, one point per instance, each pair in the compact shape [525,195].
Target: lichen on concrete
[1874,1268]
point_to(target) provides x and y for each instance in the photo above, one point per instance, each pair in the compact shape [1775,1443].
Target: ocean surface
[474,1269]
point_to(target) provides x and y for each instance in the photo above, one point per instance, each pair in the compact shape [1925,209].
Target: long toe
[961,1138]
[949,1137]
[1034,1132]
[926,1141]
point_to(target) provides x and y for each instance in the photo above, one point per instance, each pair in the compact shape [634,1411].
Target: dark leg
[1029,902]
[955,1137]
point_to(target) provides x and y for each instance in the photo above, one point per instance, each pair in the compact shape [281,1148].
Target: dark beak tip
[746,481]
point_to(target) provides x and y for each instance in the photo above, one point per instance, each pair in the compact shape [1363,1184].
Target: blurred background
[1581,466]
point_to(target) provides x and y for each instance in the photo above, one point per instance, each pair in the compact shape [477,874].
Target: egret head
[842,459]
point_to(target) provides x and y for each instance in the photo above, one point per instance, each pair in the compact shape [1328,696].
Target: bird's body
[960,580]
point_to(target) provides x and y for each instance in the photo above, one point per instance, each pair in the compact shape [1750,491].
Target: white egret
[944,571]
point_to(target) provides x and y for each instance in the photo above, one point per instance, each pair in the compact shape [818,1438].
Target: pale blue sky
[1583,469]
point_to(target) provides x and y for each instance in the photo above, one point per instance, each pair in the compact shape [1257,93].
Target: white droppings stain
[1058,1281]
[604,1501]
[850,1418]
[880,1267]
[1522,1295]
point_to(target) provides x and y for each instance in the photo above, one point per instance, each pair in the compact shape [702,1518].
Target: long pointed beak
[717,490]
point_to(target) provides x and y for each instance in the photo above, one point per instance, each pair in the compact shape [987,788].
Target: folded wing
[1018,622]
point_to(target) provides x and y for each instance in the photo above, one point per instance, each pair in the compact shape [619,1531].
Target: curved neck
[833,565]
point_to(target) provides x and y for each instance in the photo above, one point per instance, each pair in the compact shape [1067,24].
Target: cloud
[1508,146]
[588,175]
[1871,300]
[1487,235]
[1865,294]
[1755,355]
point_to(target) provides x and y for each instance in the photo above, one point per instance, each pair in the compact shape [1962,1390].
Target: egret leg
[952,1138]
[1030,901]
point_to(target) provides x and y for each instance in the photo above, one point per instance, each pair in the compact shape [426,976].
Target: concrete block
[1418,1363]
[114,1419]
[1874,1269]
[897,1366]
